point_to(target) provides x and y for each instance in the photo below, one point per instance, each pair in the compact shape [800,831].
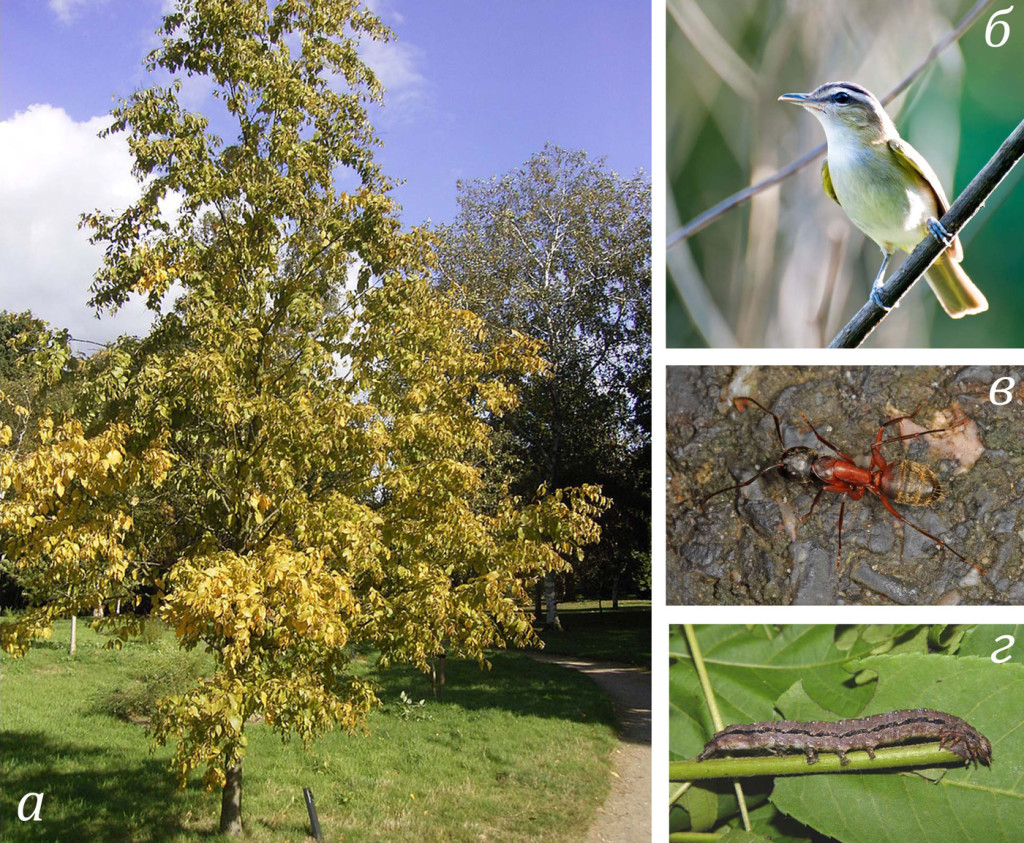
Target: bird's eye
[840,97]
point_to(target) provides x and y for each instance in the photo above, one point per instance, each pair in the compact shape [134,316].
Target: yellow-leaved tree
[292,462]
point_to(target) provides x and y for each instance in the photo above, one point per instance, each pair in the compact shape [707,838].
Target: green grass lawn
[517,753]
[615,635]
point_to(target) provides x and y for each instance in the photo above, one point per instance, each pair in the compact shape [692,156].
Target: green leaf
[982,641]
[781,657]
[962,804]
[702,806]
[738,835]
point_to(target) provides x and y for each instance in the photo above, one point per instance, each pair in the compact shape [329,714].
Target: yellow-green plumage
[886,187]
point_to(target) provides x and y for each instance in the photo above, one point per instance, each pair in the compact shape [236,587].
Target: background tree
[290,463]
[35,361]
[559,250]
[38,375]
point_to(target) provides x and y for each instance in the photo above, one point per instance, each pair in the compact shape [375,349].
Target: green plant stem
[716,717]
[702,675]
[694,836]
[917,755]
[679,791]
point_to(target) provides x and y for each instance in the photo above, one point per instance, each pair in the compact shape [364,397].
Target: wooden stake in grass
[314,820]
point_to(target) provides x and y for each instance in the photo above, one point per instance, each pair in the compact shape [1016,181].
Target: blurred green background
[788,269]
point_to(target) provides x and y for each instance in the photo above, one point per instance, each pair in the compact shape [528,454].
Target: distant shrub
[166,673]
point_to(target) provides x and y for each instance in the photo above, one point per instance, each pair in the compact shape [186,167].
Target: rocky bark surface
[750,545]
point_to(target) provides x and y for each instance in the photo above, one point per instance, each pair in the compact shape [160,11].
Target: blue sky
[474,89]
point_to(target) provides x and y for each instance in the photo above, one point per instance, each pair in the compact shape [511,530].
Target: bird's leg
[879,280]
[939,232]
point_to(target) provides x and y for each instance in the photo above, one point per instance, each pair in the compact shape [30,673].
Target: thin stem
[702,676]
[959,214]
[712,214]
[716,717]
[679,791]
[916,755]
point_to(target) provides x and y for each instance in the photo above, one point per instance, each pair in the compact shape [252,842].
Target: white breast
[872,189]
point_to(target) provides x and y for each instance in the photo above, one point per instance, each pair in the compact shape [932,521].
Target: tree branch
[960,213]
[704,220]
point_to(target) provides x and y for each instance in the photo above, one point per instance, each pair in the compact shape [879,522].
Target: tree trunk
[569,588]
[552,601]
[437,665]
[538,601]
[231,800]
[615,591]
[74,635]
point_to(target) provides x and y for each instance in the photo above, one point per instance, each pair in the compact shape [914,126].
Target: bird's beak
[805,100]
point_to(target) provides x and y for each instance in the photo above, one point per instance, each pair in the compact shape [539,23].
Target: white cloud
[67,10]
[385,10]
[397,65]
[52,169]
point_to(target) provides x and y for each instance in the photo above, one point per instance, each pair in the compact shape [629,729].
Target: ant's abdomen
[911,483]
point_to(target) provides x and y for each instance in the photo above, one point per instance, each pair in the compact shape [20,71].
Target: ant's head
[797,463]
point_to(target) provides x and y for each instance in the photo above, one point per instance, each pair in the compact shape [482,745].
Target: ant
[903,481]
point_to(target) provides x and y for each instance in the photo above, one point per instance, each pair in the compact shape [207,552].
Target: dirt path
[626,816]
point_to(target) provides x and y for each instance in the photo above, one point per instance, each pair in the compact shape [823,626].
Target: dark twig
[712,214]
[966,206]
[709,216]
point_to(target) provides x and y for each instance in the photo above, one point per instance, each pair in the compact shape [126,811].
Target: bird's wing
[826,182]
[914,160]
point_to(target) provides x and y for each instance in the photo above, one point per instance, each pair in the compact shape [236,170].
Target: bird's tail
[955,290]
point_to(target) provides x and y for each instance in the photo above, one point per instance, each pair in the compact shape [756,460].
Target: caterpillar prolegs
[866,733]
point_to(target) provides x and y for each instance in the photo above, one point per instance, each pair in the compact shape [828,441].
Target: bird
[887,189]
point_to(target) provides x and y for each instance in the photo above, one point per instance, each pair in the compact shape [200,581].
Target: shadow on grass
[515,683]
[614,635]
[132,802]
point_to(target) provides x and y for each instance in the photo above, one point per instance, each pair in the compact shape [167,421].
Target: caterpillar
[842,736]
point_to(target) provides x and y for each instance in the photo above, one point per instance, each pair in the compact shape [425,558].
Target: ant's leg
[839,553]
[896,514]
[846,490]
[898,419]
[814,503]
[877,461]
[921,433]
[741,405]
[824,441]
[855,492]
[840,488]
[740,485]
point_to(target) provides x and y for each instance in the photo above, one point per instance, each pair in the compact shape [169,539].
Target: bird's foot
[877,299]
[939,232]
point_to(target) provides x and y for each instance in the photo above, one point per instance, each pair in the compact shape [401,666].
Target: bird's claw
[877,299]
[939,232]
